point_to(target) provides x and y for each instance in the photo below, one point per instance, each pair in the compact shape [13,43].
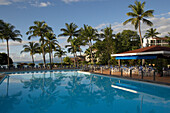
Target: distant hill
[55,60]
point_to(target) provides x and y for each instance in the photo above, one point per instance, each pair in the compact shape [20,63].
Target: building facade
[155,41]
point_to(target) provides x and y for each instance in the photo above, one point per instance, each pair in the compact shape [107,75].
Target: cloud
[14,43]
[62,37]
[41,4]
[5,2]
[2,49]
[101,25]
[163,14]
[35,3]
[160,23]
[17,57]
[70,1]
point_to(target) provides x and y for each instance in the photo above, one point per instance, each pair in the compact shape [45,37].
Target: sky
[96,13]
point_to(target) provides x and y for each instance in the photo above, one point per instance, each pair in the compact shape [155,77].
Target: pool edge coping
[133,79]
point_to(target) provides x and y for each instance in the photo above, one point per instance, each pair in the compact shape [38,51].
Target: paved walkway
[164,79]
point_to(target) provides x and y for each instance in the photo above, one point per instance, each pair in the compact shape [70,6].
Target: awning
[135,57]
[143,53]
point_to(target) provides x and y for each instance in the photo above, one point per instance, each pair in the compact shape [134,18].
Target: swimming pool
[75,92]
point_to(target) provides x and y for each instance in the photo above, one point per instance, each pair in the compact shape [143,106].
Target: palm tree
[1,27]
[51,42]
[39,29]
[71,31]
[138,15]
[80,42]
[168,38]
[73,48]
[32,48]
[60,53]
[108,38]
[89,34]
[7,33]
[151,33]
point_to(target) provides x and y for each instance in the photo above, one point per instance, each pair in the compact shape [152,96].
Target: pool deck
[165,80]
[34,69]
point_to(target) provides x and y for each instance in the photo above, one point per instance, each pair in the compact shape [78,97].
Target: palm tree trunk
[8,51]
[90,45]
[32,59]
[43,51]
[50,56]
[61,61]
[74,60]
[143,60]
[80,50]
[140,36]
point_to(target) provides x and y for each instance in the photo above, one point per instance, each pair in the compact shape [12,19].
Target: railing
[141,73]
[23,68]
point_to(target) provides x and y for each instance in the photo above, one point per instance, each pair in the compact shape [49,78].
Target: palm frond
[127,21]
[149,23]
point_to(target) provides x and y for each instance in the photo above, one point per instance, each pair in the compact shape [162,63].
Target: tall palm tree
[8,32]
[80,42]
[1,27]
[108,38]
[32,47]
[73,48]
[71,31]
[138,15]
[151,33]
[60,53]
[168,38]
[38,30]
[89,34]
[51,42]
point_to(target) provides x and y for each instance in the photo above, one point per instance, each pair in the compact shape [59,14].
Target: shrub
[40,64]
[4,59]
[31,64]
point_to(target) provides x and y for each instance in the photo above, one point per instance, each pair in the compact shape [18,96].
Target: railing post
[121,72]
[110,71]
[101,70]
[142,74]
[130,73]
[154,75]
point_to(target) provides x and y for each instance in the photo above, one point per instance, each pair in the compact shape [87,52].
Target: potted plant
[41,65]
[31,64]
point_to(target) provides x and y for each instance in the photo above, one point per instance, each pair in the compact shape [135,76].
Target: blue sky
[97,13]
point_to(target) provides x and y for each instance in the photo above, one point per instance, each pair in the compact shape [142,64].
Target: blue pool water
[74,92]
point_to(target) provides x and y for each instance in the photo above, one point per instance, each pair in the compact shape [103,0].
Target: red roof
[149,49]
[158,38]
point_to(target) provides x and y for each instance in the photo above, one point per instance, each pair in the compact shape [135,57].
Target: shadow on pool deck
[165,80]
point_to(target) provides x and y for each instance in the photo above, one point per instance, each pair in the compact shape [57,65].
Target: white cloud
[160,23]
[5,2]
[17,57]
[101,26]
[2,49]
[35,3]
[62,37]
[14,43]
[70,1]
[163,14]
[41,4]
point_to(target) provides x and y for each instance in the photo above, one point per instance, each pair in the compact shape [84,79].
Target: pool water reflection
[73,92]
